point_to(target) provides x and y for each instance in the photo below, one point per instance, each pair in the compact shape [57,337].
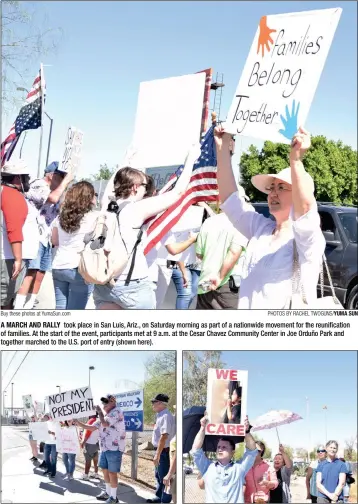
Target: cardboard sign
[226,402]
[39,432]
[168,120]
[67,439]
[72,153]
[75,403]
[281,74]
[39,407]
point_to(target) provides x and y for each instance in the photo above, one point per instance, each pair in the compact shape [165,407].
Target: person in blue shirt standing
[224,479]
[331,476]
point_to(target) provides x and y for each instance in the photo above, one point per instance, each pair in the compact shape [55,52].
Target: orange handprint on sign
[265,36]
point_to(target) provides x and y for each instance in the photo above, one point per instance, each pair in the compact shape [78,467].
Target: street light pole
[325,420]
[91,368]
[12,401]
[309,431]
[3,402]
[59,388]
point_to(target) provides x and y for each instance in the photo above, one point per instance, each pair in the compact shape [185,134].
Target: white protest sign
[39,432]
[226,402]
[281,74]
[168,120]
[74,403]
[27,402]
[67,439]
[39,407]
[72,153]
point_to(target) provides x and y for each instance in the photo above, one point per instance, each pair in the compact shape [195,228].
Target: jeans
[50,455]
[71,291]
[185,295]
[69,461]
[160,472]
[324,500]
[138,295]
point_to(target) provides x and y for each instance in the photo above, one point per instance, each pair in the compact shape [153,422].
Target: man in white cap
[163,433]
[14,183]
[45,195]
[112,437]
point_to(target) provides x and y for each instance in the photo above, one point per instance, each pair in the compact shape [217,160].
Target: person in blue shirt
[224,479]
[331,476]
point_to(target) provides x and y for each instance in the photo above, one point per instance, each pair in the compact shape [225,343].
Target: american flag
[29,118]
[202,187]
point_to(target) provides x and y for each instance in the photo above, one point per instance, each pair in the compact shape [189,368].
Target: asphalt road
[46,298]
[23,482]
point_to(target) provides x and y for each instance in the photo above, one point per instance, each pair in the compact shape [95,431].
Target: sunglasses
[321,451]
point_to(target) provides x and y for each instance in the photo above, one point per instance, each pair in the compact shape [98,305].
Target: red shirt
[87,433]
[14,209]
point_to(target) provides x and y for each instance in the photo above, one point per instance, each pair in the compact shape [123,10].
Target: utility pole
[91,368]
[325,420]
[12,401]
[308,427]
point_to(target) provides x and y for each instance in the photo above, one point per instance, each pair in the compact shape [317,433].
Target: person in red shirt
[15,180]
[90,446]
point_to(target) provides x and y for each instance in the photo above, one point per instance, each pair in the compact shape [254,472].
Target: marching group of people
[103,441]
[253,480]
[238,258]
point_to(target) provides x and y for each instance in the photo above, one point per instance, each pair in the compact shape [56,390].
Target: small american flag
[202,187]
[29,118]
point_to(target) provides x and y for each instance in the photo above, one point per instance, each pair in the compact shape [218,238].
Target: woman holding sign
[268,277]
[69,458]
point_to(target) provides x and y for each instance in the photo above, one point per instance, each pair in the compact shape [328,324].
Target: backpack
[99,267]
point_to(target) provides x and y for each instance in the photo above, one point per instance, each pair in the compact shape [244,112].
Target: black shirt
[276,495]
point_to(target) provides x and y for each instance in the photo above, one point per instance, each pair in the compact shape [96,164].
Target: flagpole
[42,120]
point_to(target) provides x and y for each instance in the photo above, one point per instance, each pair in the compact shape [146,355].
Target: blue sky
[41,372]
[283,380]
[108,48]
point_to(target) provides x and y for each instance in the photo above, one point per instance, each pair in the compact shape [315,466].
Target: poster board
[72,153]
[76,403]
[281,74]
[168,120]
[225,384]
[39,431]
[27,402]
[67,439]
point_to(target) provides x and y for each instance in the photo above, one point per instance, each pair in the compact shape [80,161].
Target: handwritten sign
[39,431]
[27,402]
[75,403]
[72,154]
[281,74]
[226,402]
[67,439]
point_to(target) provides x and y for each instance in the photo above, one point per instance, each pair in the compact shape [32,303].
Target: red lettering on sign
[226,429]
[226,374]
[210,428]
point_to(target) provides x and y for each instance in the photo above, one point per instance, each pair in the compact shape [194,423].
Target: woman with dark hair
[233,411]
[69,459]
[76,219]
[132,289]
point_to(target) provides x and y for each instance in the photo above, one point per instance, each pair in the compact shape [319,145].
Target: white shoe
[84,477]
[94,476]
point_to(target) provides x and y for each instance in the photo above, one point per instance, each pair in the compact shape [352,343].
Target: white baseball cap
[262,182]
[18,167]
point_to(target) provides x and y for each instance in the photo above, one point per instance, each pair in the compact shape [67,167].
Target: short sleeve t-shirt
[330,472]
[112,438]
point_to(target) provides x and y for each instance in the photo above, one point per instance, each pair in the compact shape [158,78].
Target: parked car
[339,227]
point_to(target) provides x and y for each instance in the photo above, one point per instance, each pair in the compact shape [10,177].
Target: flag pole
[213,123]
[42,119]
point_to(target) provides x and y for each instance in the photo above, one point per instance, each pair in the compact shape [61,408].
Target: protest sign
[39,431]
[72,153]
[67,439]
[168,120]
[27,402]
[226,402]
[75,403]
[39,407]
[281,74]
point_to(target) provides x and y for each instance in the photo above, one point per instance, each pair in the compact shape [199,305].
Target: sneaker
[84,477]
[103,496]
[46,473]
[110,500]
[43,465]
[70,477]
[94,476]
[52,476]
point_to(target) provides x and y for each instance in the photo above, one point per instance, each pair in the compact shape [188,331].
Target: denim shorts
[43,261]
[111,460]
[138,295]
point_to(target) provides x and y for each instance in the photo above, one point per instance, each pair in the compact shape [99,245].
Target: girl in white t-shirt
[76,219]
[131,186]
[267,277]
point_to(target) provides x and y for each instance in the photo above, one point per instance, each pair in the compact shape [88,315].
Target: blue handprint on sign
[290,121]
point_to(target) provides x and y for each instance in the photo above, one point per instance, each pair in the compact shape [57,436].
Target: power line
[9,364]
[13,376]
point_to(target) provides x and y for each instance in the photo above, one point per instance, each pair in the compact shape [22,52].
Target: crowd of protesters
[252,479]
[237,259]
[102,440]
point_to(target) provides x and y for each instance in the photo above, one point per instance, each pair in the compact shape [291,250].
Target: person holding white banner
[69,459]
[268,277]
[133,288]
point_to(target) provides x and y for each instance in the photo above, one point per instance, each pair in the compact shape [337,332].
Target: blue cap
[52,167]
